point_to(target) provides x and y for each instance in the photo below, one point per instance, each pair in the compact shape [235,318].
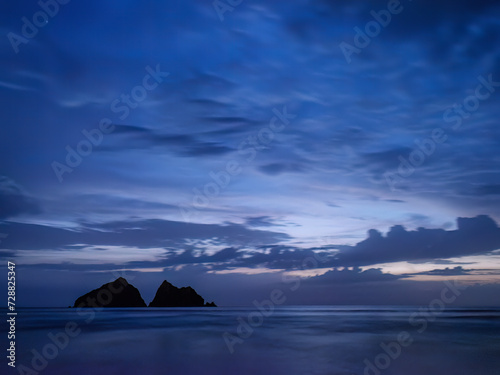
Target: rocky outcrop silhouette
[118,293]
[169,295]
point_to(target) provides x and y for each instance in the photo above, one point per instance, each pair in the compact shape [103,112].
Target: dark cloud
[333,205]
[354,275]
[129,129]
[479,235]
[133,233]
[458,270]
[279,257]
[14,200]
[180,144]
[260,221]
[227,256]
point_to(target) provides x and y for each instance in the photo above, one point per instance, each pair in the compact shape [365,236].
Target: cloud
[354,275]
[154,233]
[129,129]
[260,221]
[13,86]
[186,243]
[107,203]
[278,168]
[333,205]
[387,158]
[446,272]
[187,257]
[14,200]
[225,120]
[478,235]
[205,148]
[186,145]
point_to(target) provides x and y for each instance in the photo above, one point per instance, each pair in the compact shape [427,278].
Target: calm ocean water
[291,340]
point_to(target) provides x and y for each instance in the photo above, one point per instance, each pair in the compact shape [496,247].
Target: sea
[285,340]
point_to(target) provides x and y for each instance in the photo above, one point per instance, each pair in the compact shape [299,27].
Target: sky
[351,146]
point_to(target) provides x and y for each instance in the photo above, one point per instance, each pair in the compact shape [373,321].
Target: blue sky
[228,151]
